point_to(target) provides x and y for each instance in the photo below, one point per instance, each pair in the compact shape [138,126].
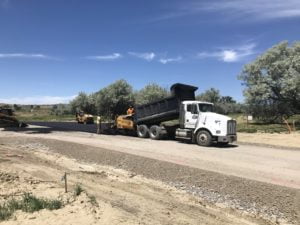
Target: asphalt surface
[68,126]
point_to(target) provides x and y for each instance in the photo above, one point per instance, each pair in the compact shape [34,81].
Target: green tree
[223,104]
[114,99]
[272,83]
[17,107]
[211,95]
[37,107]
[150,93]
[84,103]
[227,99]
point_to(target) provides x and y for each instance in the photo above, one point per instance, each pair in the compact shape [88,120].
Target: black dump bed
[165,109]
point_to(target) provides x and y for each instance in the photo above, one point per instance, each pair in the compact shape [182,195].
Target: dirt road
[276,166]
[217,175]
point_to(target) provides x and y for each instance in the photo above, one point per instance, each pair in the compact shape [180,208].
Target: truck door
[191,115]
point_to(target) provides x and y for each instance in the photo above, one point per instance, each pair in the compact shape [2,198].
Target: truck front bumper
[229,138]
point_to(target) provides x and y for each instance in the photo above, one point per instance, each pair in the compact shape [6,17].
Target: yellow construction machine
[84,118]
[124,122]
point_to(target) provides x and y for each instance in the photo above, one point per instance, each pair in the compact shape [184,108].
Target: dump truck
[196,120]
[84,118]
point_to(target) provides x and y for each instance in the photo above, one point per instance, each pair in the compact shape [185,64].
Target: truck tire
[204,138]
[155,132]
[143,131]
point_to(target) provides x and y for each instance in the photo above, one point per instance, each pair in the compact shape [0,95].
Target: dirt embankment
[111,196]
[140,200]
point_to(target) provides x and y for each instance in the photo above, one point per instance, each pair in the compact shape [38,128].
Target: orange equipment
[130,110]
[124,122]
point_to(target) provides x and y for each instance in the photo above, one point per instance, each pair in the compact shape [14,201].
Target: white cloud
[254,9]
[241,10]
[37,100]
[111,57]
[170,60]
[230,54]
[23,56]
[149,56]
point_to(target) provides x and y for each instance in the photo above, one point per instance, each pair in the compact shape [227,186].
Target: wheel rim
[202,138]
[142,131]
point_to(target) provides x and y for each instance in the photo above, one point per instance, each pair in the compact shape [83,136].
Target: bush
[5,212]
[28,203]
[78,190]
[93,200]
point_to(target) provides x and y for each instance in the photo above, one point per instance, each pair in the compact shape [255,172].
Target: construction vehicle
[84,118]
[7,119]
[196,120]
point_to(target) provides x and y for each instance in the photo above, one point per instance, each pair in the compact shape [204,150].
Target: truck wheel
[204,138]
[155,132]
[143,131]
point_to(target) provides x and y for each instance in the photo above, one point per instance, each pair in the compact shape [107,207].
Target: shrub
[78,190]
[28,203]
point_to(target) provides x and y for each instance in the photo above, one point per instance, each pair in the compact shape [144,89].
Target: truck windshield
[205,107]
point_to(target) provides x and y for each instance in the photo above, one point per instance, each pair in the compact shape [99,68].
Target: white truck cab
[200,124]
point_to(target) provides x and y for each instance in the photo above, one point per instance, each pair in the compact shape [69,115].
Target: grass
[28,203]
[93,200]
[27,116]
[41,113]
[78,190]
[257,126]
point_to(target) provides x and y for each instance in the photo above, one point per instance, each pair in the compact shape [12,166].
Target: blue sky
[52,49]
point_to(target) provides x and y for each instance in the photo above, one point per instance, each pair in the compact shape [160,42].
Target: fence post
[288,126]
